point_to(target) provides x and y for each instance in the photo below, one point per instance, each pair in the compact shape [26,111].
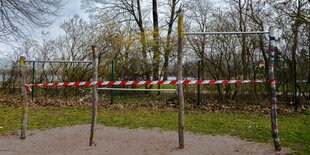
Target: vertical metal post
[198,84]
[95,96]
[112,80]
[33,75]
[180,77]
[273,100]
[295,86]
[24,98]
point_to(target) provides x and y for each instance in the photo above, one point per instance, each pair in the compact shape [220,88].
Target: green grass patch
[293,129]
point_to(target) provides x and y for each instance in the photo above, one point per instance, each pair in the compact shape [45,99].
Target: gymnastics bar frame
[273,99]
[94,91]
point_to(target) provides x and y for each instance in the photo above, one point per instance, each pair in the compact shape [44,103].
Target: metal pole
[58,61]
[180,77]
[112,80]
[295,86]
[33,74]
[95,96]
[215,33]
[24,98]
[273,99]
[198,84]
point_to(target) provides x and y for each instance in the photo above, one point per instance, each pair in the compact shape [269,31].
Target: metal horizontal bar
[127,89]
[58,61]
[211,33]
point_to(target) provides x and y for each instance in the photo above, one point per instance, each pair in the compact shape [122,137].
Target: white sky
[69,10]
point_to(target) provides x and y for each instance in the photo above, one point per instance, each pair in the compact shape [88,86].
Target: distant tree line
[140,36]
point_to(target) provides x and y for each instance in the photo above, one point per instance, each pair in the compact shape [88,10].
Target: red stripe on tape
[135,82]
[123,82]
[212,81]
[173,82]
[186,81]
[160,82]
[88,83]
[99,83]
[225,81]
[199,81]
[76,83]
[148,82]
[28,88]
[55,84]
[111,82]
[239,81]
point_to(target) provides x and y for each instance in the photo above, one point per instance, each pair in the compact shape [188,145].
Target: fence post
[112,80]
[94,95]
[33,74]
[24,98]
[198,84]
[179,78]
[273,100]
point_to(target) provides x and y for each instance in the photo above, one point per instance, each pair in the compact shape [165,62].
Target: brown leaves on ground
[44,102]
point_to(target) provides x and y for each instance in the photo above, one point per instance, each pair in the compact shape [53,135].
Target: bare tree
[122,11]
[168,47]
[19,16]
[200,14]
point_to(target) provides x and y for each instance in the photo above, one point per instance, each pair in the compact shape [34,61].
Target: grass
[293,129]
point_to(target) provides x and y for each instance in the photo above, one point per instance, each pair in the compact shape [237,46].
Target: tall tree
[167,50]
[200,13]
[298,13]
[156,54]
[122,11]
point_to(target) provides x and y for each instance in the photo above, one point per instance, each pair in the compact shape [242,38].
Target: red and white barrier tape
[91,83]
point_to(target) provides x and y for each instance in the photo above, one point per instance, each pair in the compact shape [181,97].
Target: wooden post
[179,77]
[95,96]
[24,98]
[273,100]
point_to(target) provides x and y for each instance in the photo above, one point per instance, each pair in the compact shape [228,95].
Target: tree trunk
[294,50]
[242,27]
[156,54]
[143,41]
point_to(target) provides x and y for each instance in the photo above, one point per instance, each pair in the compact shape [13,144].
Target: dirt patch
[113,140]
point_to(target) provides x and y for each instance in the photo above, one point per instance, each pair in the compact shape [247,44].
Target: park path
[114,140]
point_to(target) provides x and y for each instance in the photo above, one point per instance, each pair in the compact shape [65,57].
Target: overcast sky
[69,10]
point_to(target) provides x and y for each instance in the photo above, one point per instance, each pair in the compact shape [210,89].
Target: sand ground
[114,140]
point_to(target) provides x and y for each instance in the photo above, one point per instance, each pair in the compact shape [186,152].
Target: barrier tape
[109,83]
